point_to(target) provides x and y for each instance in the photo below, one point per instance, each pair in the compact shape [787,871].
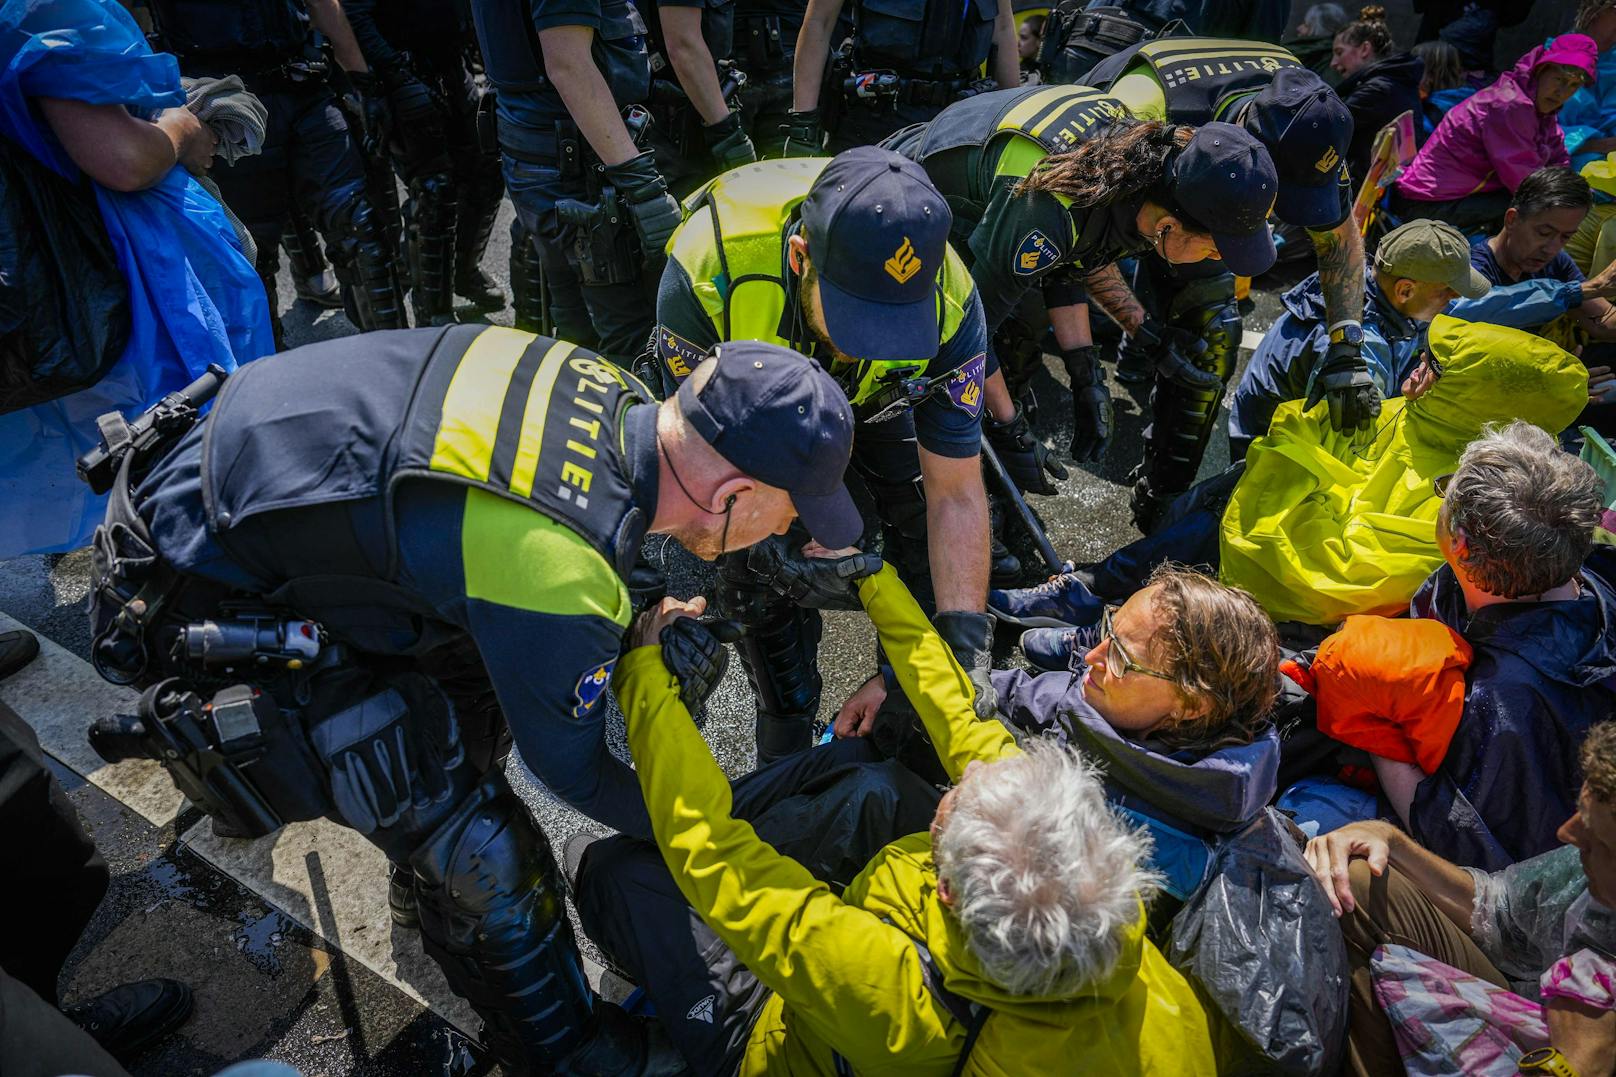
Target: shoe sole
[1033,621]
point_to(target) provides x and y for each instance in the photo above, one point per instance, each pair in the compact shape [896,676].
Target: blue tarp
[195,298]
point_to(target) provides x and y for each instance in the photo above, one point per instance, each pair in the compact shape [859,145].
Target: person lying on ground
[1543,928]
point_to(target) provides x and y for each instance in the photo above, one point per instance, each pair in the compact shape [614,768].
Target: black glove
[1091,404]
[374,107]
[1175,351]
[414,105]
[727,142]
[645,195]
[1024,456]
[1343,380]
[970,637]
[805,137]
[820,583]
[694,653]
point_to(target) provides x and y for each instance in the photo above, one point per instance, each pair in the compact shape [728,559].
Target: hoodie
[1541,675]
[1495,138]
[1376,94]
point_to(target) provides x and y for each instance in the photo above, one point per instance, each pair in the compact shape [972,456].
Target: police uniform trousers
[765,46]
[869,123]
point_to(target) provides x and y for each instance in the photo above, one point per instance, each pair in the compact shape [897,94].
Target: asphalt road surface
[286,939]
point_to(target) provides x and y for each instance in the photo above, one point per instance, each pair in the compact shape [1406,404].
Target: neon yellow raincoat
[845,974]
[1317,530]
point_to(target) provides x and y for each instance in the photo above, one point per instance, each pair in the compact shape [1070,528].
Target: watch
[1347,333]
[1547,1060]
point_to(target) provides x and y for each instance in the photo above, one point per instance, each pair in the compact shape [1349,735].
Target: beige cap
[1432,251]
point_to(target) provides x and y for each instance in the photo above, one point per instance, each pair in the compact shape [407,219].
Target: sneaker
[17,649]
[128,1019]
[1062,601]
[1056,650]
[479,290]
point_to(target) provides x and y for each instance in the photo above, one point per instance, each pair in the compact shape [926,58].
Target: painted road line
[1250,338]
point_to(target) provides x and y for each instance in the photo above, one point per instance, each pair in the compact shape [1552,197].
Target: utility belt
[673,114]
[605,245]
[310,67]
[1103,31]
[765,43]
[890,88]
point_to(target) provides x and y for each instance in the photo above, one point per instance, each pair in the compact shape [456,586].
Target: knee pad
[365,264]
[780,651]
[527,282]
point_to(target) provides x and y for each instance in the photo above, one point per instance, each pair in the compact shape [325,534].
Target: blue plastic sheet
[195,298]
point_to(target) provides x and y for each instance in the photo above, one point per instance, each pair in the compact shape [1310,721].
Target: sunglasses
[1118,662]
[1441,483]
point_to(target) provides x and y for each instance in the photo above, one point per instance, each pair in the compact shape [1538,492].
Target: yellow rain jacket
[845,974]
[1318,530]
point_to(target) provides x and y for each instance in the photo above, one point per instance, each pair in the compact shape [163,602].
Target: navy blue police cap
[877,234]
[1307,130]
[1224,183]
[780,418]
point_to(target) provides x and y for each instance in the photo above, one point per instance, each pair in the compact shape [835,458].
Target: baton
[1007,488]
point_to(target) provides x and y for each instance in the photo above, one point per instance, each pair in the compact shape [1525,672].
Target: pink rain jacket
[1496,137]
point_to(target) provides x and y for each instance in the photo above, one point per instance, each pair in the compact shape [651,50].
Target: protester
[1378,83]
[1313,40]
[1469,26]
[1491,141]
[1589,118]
[83,94]
[1543,928]
[1029,40]
[1442,86]
[1012,933]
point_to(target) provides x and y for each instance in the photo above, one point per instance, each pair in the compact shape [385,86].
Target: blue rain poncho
[194,297]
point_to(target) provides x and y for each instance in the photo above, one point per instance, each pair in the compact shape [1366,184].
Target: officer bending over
[431,532]
[848,259]
[1051,184]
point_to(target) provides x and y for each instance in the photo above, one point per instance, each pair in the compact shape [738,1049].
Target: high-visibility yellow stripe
[1248,52]
[526,465]
[471,407]
[1036,103]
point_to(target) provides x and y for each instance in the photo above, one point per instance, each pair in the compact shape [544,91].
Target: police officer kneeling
[375,551]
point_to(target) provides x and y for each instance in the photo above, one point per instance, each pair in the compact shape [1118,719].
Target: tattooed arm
[1108,291]
[1341,271]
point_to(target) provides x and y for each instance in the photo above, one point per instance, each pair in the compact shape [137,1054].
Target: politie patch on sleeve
[680,355]
[591,688]
[1037,252]
[965,387]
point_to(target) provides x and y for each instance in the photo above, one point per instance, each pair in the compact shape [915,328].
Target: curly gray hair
[1043,875]
[1526,510]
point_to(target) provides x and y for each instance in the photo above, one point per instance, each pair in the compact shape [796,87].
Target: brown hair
[1589,10]
[1124,161]
[1599,762]
[1370,27]
[1443,68]
[1220,648]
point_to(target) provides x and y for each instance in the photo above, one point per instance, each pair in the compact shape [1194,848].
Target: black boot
[128,1019]
[1004,568]
[401,899]
[17,649]
[620,1045]
[479,290]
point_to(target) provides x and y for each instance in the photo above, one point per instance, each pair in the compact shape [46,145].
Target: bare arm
[570,65]
[692,61]
[956,530]
[1006,48]
[813,48]
[996,395]
[1341,271]
[1071,325]
[1109,292]
[1586,1036]
[1597,316]
[328,18]
[1449,886]
[123,152]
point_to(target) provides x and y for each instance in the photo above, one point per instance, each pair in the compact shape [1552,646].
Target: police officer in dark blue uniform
[310,156]
[378,560]
[416,52]
[764,46]
[571,77]
[696,120]
[910,59]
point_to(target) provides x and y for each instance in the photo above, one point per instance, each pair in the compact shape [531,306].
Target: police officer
[765,43]
[910,58]
[696,122]
[416,52]
[1051,183]
[1307,130]
[571,76]
[848,259]
[1081,33]
[491,491]
[310,156]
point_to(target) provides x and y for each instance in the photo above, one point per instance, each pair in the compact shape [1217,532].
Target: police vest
[514,62]
[1200,77]
[732,246]
[922,39]
[253,33]
[532,419]
[1006,133]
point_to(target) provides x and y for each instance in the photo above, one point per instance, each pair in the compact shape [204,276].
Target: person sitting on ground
[1419,269]
[1589,118]
[1013,932]
[1029,41]
[1491,141]
[1442,86]
[1318,525]
[1314,37]
[1543,928]
[1378,83]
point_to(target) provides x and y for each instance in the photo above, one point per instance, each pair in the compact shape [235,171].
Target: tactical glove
[821,583]
[805,137]
[1343,380]
[1024,456]
[415,106]
[970,637]
[1175,351]
[695,654]
[373,106]
[645,196]
[727,142]
[1091,404]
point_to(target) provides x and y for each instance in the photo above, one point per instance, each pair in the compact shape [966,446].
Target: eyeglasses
[1441,483]
[1118,663]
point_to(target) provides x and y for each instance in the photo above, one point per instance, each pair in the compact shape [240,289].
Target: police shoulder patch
[965,386]
[591,688]
[680,355]
[1037,252]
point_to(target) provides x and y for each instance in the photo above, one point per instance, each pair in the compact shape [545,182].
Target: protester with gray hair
[1532,594]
